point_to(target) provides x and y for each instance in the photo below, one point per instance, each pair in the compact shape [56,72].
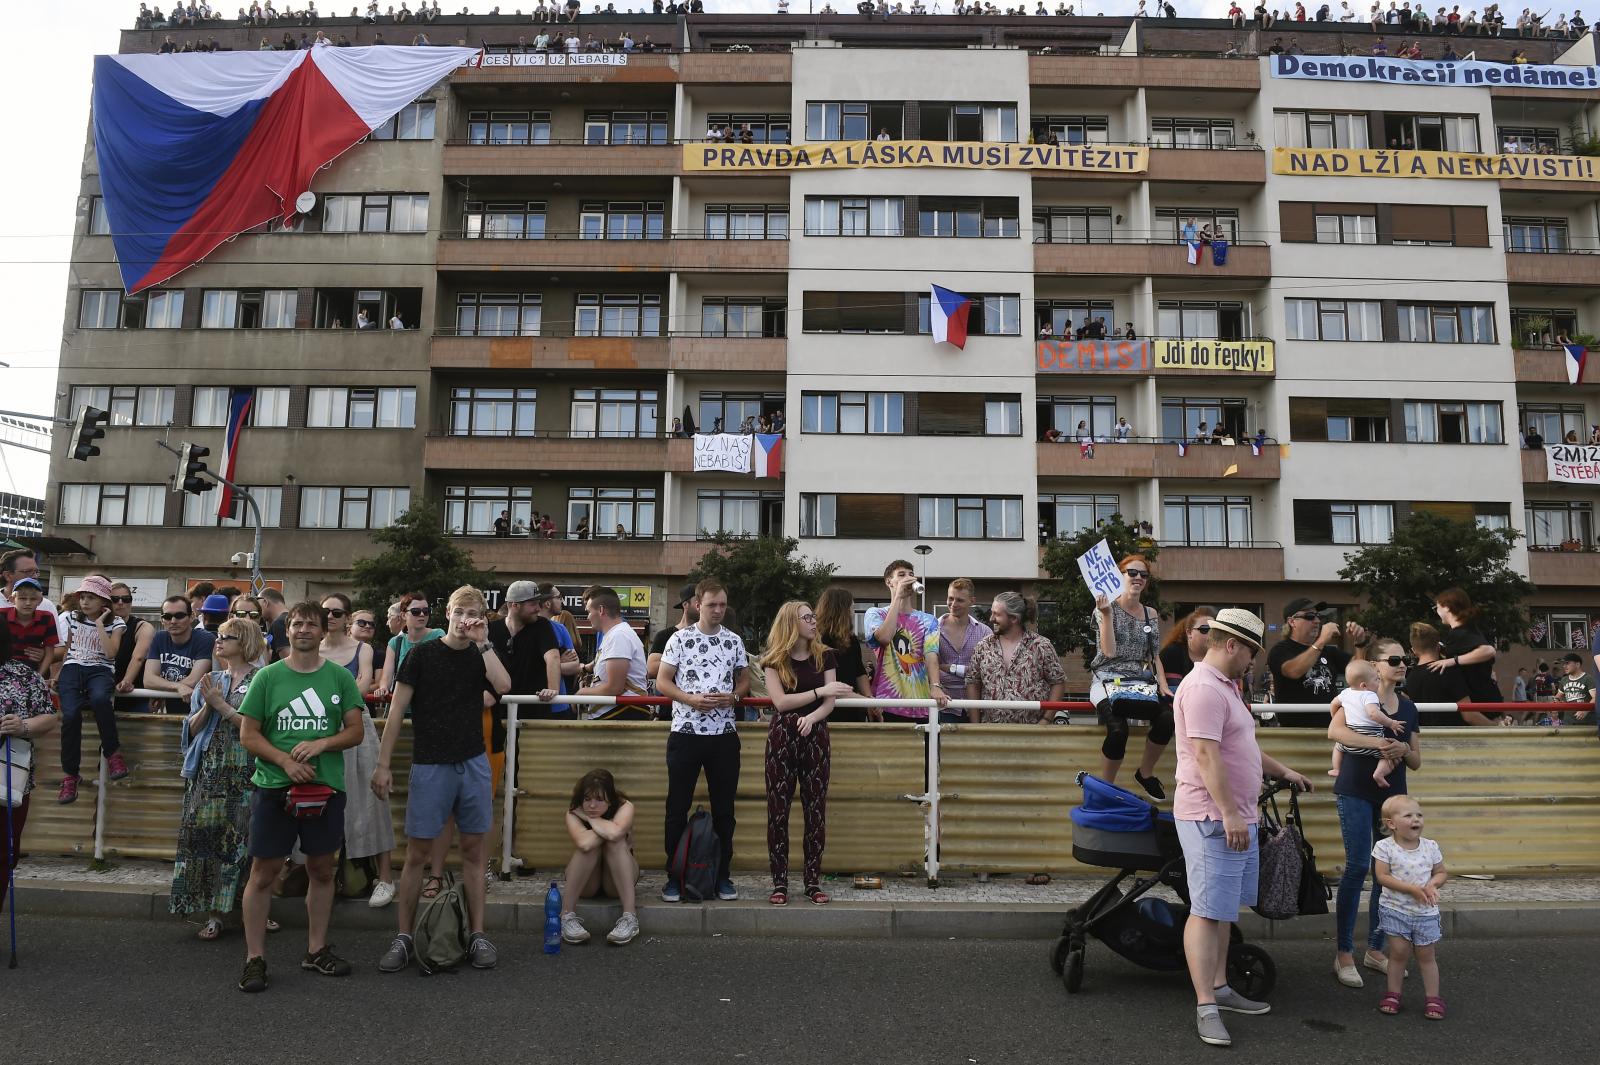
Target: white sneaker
[382,894]
[627,927]
[572,929]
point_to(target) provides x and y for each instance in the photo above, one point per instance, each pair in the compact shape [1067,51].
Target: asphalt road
[139,991]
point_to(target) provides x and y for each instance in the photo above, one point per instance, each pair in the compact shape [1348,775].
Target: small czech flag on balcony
[1183,448]
[1255,448]
[1577,356]
[766,458]
[947,314]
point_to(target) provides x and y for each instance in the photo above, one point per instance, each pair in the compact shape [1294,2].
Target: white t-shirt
[704,662]
[83,640]
[1358,706]
[1408,867]
[620,642]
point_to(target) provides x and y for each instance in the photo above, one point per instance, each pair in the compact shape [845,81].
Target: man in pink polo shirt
[1219,782]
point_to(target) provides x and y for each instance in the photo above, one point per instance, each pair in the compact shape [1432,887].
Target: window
[361,408]
[413,122]
[1067,514]
[99,224]
[1536,234]
[764,129]
[1540,140]
[499,314]
[99,308]
[618,220]
[748,221]
[523,220]
[819,514]
[625,127]
[857,312]
[508,127]
[493,411]
[970,517]
[1551,523]
[1363,421]
[1320,521]
[872,413]
[990,217]
[352,508]
[618,315]
[615,413]
[149,405]
[1561,630]
[209,406]
[113,504]
[1206,521]
[1191,133]
[1538,327]
[401,212]
[1321,129]
[272,308]
[743,316]
[1452,422]
[1334,319]
[853,121]
[1060,315]
[606,508]
[270,408]
[1063,413]
[1071,129]
[855,216]
[201,510]
[1431,133]
[991,315]
[968,122]
[1072,225]
[727,411]
[1196,320]
[1347,229]
[1002,416]
[1553,421]
[1464,323]
[163,310]
[738,512]
[471,511]
[1182,417]
[1224,222]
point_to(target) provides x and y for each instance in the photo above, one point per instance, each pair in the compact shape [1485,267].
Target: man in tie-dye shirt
[905,642]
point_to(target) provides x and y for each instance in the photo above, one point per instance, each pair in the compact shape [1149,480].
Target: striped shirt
[83,640]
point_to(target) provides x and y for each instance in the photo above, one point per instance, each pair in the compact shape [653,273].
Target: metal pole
[101,786]
[507,862]
[933,728]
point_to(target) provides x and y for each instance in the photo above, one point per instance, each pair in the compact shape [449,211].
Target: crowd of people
[1406,17]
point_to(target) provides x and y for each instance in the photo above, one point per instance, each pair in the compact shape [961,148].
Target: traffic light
[89,426]
[191,465]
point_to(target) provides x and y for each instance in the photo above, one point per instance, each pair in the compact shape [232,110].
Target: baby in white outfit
[1363,712]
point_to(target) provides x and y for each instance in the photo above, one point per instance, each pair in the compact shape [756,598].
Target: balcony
[654,68]
[1252,261]
[1147,458]
[682,253]
[1209,166]
[1169,357]
[1257,561]
[558,160]
[1552,568]
[1553,268]
[1536,468]
[715,354]
[1150,72]
[518,454]
[549,353]
[586,558]
[1547,366]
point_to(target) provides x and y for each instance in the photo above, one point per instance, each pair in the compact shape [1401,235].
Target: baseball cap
[685,594]
[1240,623]
[1573,657]
[31,582]
[522,591]
[1299,606]
[216,603]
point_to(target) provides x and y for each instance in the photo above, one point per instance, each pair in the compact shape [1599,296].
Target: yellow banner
[1238,356]
[956,155]
[1377,162]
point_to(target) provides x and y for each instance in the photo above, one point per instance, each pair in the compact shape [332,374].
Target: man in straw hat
[1219,780]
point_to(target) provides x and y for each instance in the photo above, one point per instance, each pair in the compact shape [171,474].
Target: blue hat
[28,582]
[216,603]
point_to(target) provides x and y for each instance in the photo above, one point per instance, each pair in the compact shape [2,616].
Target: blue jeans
[1360,822]
[81,686]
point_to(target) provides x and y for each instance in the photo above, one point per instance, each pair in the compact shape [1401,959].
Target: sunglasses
[1142,574]
[1399,660]
[225,639]
[416,612]
[335,612]
[1309,615]
[176,617]
[122,599]
[363,623]
[253,615]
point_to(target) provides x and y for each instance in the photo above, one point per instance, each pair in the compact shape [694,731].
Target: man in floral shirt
[1014,663]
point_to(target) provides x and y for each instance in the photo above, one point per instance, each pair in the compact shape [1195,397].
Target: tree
[1428,554]
[418,558]
[761,573]
[1065,621]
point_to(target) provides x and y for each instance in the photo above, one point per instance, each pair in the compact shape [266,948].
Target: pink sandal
[779,897]
[1433,1008]
[1389,1003]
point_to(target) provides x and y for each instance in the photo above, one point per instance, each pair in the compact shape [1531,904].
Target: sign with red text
[1572,463]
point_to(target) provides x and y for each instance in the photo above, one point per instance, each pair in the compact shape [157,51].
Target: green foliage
[1067,623]
[1428,554]
[1582,142]
[417,557]
[761,574]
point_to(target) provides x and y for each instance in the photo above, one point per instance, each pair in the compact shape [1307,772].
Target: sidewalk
[962,907]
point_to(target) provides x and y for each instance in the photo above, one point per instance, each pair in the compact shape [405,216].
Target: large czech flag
[197,147]
[947,315]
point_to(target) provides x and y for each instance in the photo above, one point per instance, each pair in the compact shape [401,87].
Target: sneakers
[627,927]
[116,768]
[1212,1030]
[1151,785]
[572,929]
[69,791]
[726,891]
[669,893]
[254,978]
[382,894]
[481,952]
[398,956]
[1230,1000]
[326,962]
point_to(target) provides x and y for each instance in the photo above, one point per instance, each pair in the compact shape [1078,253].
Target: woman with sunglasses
[1185,645]
[414,606]
[1360,803]
[248,608]
[368,825]
[1128,680]
[136,636]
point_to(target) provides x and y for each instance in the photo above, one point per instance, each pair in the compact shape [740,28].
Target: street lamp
[924,550]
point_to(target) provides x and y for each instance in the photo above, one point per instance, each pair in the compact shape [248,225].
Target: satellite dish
[305,202]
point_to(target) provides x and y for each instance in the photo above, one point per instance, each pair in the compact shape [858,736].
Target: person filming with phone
[1307,665]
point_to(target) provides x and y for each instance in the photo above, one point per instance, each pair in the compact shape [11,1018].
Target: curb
[837,920]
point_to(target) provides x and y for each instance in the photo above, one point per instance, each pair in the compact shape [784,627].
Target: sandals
[1433,1008]
[431,886]
[211,929]
[779,897]
[1390,1003]
[273,926]
[817,895]
[1038,879]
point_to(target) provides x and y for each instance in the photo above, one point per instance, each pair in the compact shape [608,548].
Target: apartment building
[570,280]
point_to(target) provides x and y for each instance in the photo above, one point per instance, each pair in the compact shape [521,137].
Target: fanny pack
[307,801]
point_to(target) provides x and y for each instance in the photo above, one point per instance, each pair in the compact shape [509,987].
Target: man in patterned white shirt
[704,672]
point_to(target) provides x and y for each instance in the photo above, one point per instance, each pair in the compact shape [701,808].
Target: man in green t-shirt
[297,719]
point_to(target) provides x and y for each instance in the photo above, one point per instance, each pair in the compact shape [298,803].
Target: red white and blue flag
[240,400]
[196,148]
[1255,447]
[1577,358]
[766,458]
[1183,448]
[947,314]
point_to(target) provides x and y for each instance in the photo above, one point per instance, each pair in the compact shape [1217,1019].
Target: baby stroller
[1118,830]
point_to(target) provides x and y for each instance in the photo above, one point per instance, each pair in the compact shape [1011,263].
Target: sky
[40,188]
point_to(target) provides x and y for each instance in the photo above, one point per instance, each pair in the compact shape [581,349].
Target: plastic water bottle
[552,920]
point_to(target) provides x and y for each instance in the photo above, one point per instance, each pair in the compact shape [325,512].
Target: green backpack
[440,935]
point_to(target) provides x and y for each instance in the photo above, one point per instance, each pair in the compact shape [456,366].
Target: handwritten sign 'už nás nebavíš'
[722,452]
